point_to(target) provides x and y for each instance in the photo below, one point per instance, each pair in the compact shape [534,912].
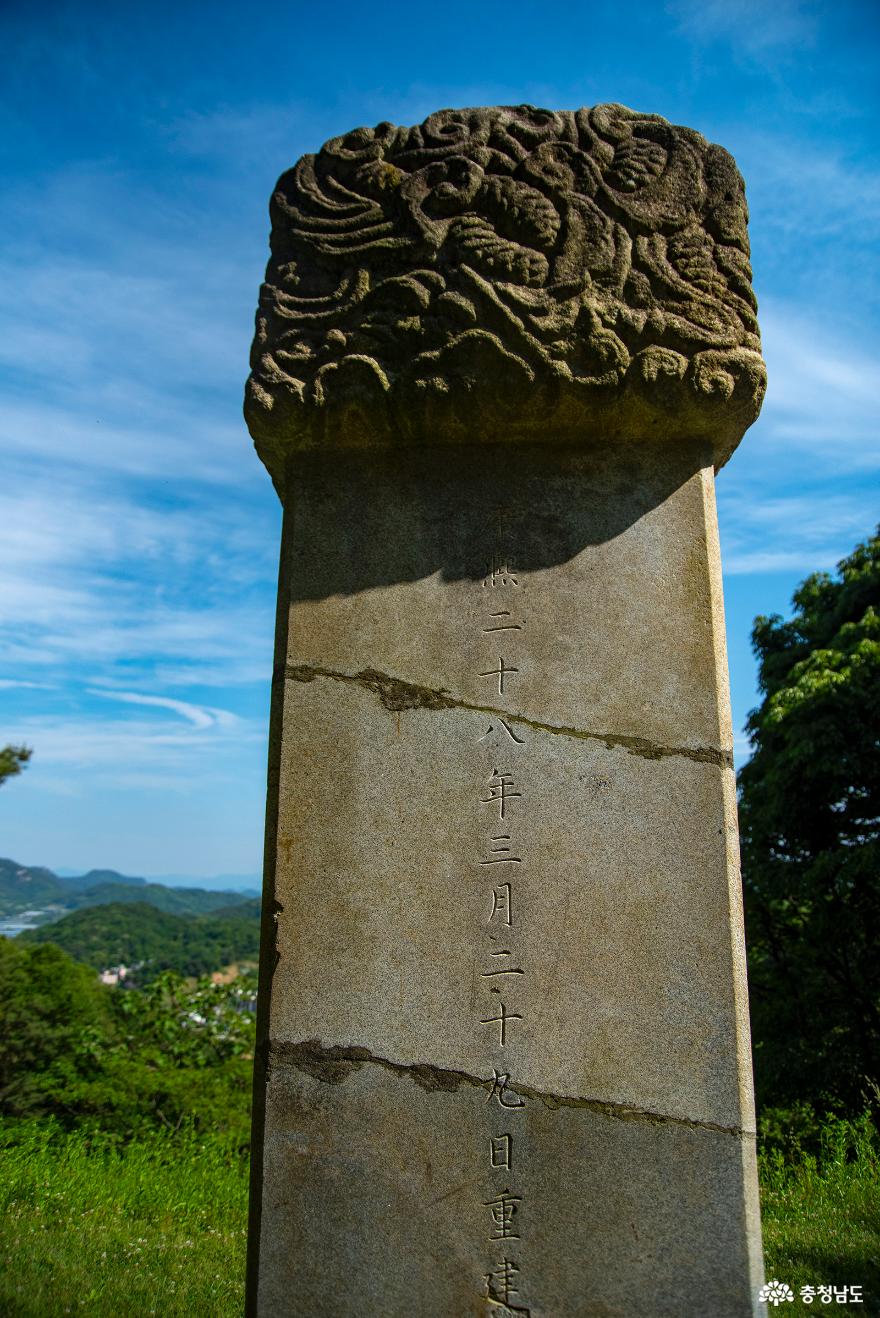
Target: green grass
[821,1217]
[91,1226]
[88,1227]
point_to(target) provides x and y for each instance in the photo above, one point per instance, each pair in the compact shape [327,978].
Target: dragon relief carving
[507,273]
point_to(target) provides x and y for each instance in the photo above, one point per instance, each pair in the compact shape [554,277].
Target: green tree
[122,1061]
[12,760]
[810,822]
[54,1013]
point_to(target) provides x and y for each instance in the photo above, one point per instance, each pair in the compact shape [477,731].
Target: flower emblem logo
[776,1292]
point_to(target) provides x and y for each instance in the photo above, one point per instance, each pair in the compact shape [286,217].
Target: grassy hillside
[131,933]
[123,1134]
[157,1225]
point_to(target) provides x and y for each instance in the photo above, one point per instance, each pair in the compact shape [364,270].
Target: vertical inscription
[501,790]
[501,1287]
[500,1147]
[501,796]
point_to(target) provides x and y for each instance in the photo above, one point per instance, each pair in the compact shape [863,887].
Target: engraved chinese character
[499,625]
[507,728]
[500,672]
[500,1150]
[500,1081]
[504,1208]
[500,515]
[500,1287]
[500,854]
[501,1022]
[500,573]
[500,792]
[501,970]
[501,905]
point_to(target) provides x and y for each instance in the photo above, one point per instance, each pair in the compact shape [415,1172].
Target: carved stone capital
[507,274]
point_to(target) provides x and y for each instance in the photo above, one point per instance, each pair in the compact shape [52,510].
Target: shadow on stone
[361,520]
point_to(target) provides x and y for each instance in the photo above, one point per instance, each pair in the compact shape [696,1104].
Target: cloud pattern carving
[512,269]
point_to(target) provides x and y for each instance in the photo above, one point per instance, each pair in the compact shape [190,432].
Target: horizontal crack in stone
[397,695]
[393,693]
[335,1064]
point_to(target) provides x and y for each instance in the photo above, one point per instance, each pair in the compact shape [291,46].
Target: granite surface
[504,843]
[503,1052]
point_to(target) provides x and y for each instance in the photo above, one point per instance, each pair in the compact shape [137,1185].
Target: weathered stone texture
[388,1177]
[502,898]
[627,921]
[505,274]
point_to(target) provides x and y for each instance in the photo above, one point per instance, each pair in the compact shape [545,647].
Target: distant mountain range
[136,934]
[29,888]
[250,883]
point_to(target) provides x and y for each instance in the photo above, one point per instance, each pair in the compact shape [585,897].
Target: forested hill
[137,934]
[176,901]
[28,887]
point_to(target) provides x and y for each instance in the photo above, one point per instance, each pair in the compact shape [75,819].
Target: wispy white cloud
[123,752]
[94,576]
[146,387]
[753,26]
[801,560]
[126,335]
[141,294]
[821,396]
[802,491]
[151,441]
[259,140]
[798,533]
[102,524]
[807,188]
[220,646]
[201,716]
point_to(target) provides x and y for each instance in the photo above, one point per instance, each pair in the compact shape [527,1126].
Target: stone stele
[503,1063]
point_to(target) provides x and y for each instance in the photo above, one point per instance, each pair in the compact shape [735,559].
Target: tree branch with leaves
[810,824]
[12,760]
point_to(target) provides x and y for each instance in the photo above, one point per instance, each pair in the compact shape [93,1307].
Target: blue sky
[139,146]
